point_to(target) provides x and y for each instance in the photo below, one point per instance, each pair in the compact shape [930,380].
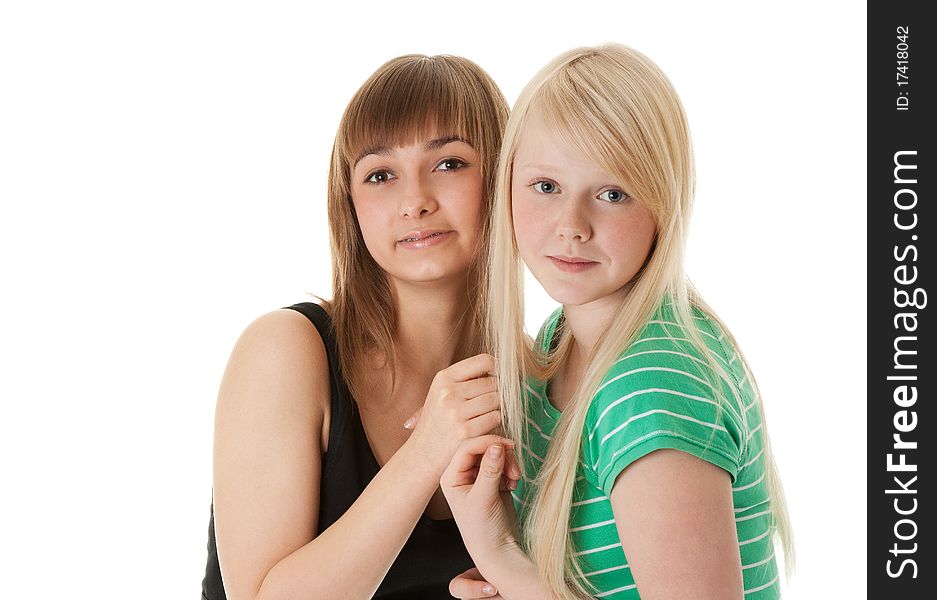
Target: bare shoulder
[278,372]
[281,338]
[281,346]
[269,424]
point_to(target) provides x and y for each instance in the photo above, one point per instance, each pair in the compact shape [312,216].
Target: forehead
[543,147]
[376,131]
[433,143]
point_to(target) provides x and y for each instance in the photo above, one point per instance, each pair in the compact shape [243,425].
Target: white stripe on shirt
[747,517]
[616,590]
[600,549]
[593,525]
[755,539]
[660,411]
[761,587]
[752,484]
[647,391]
[664,369]
[759,563]
[590,501]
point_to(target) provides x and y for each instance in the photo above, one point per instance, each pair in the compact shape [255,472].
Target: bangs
[413,100]
[603,127]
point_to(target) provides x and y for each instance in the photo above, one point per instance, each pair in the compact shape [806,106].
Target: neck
[587,322]
[430,325]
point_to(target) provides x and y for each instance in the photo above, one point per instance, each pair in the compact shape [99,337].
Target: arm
[676,523]
[674,517]
[515,575]
[470,585]
[268,427]
[484,512]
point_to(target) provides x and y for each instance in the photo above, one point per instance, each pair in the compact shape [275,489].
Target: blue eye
[545,187]
[613,196]
[451,164]
[379,177]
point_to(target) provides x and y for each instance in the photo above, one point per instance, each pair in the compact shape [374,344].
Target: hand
[470,585]
[482,508]
[462,403]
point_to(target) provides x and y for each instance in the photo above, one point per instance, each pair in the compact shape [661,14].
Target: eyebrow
[538,167]
[427,147]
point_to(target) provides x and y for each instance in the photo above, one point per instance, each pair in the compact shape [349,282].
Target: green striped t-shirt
[655,396]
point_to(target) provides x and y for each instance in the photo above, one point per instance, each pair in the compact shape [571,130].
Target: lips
[572,264]
[571,259]
[422,234]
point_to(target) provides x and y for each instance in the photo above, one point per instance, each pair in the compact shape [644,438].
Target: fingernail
[488,590]
[495,451]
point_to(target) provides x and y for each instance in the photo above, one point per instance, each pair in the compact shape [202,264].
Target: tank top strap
[342,406]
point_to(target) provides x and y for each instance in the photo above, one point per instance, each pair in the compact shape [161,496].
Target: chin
[433,274]
[569,295]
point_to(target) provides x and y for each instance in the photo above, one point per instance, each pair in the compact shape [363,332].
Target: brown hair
[405,100]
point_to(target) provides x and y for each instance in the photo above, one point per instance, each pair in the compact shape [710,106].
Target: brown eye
[378,177]
[450,164]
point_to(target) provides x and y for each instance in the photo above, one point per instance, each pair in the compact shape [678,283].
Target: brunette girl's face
[577,229]
[420,208]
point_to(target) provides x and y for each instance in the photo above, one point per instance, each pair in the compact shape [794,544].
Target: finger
[481,404]
[512,472]
[479,365]
[472,574]
[471,585]
[467,457]
[490,470]
[475,387]
[511,469]
[411,422]
[507,484]
[484,424]
[471,450]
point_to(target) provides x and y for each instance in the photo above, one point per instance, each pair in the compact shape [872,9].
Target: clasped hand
[456,421]
[477,484]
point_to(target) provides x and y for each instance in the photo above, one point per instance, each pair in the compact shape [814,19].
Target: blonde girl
[318,490]
[647,471]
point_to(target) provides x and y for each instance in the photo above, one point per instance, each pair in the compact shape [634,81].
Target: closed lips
[569,259]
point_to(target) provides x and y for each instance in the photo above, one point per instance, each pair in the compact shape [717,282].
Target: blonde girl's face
[420,208]
[579,232]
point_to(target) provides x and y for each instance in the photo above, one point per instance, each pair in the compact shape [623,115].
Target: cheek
[461,203]
[632,238]
[527,221]
[472,204]
[369,223]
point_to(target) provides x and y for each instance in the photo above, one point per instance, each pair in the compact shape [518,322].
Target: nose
[573,221]
[417,199]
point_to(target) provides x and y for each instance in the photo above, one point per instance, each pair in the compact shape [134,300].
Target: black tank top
[433,554]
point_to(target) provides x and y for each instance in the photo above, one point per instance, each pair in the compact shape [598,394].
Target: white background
[162,178]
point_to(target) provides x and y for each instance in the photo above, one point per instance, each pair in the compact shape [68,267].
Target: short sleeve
[657,396]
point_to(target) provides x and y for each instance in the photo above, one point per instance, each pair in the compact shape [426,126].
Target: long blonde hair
[618,108]
[406,99]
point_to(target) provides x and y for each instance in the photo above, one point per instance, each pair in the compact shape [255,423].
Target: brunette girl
[318,490]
